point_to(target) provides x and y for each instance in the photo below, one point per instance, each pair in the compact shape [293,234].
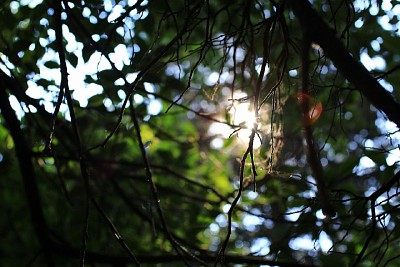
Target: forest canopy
[199,133]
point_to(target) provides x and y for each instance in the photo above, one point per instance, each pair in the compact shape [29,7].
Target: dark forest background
[196,133]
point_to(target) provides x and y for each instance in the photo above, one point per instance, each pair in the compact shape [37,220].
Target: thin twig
[65,87]
[116,233]
[179,249]
[221,254]
[371,234]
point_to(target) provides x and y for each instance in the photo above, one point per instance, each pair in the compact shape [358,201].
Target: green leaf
[52,65]
[73,59]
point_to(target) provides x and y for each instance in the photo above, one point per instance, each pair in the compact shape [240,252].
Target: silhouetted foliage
[196,133]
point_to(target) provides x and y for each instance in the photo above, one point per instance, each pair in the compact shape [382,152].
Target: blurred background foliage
[187,74]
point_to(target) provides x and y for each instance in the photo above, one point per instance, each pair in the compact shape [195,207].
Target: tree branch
[206,257]
[27,171]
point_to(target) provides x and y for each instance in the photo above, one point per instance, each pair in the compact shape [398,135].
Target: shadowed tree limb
[27,172]
[208,258]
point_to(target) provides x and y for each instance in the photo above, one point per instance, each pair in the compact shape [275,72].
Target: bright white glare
[226,208]
[369,143]
[131,77]
[43,42]
[258,69]
[174,70]
[107,5]
[320,215]
[221,220]
[149,87]
[252,195]
[366,61]
[154,107]
[393,157]
[95,37]
[390,126]
[375,45]
[138,99]
[214,228]
[303,242]
[379,62]
[8,64]
[48,106]
[81,91]
[108,104]
[359,23]
[374,10]
[121,94]
[116,11]
[365,166]
[217,143]
[143,14]
[212,79]
[119,82]
[83,95]
[384,22]
[366,162]
[396,10]
[29,108]
[267,13]
[31,3]
[385,126]
[294,214]
[369,192]
[86,12]
[241,114]
[386,85]
[136,48]
[250,222]
[96,63]
[14,6]
[361,5]
[35,91]
[379,210]
[72,44]
[376,62]
[220,129]
[325,242]
[293,73]
[260,246]
[16,106]
[239,54]
[132,2]
[120,57]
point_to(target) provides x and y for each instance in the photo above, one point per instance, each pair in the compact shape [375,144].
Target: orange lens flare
[312,116]
[316,108]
